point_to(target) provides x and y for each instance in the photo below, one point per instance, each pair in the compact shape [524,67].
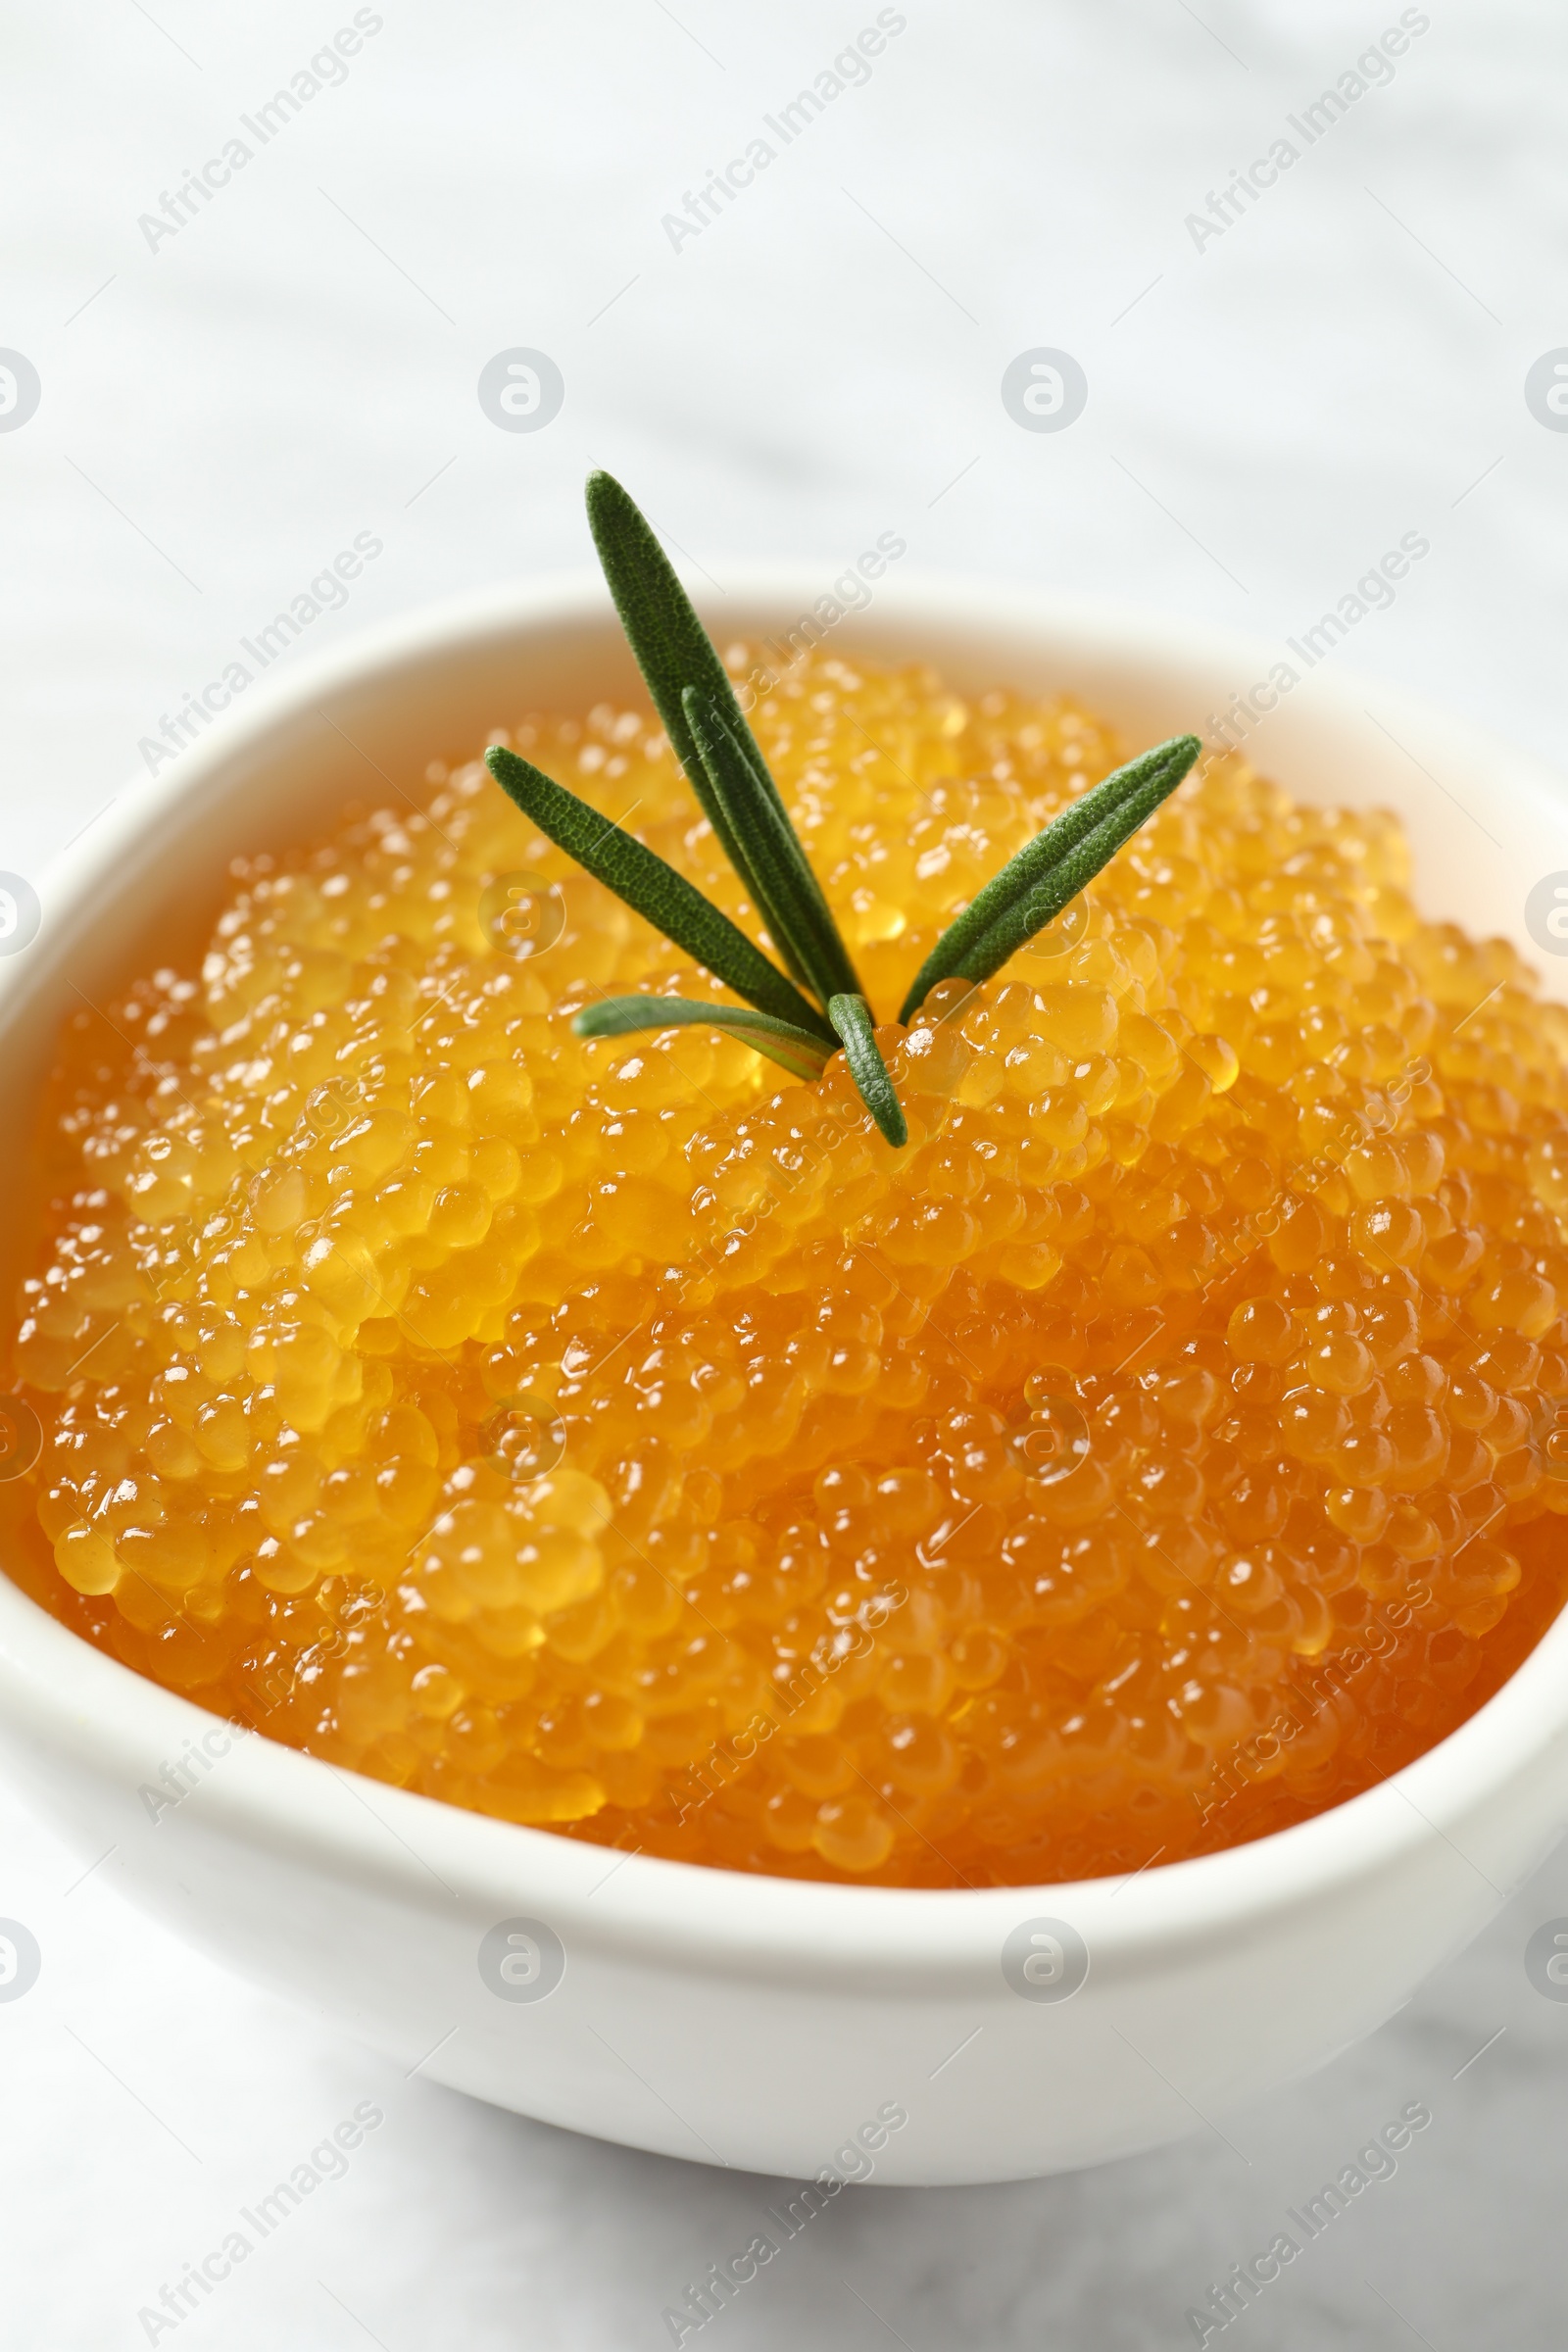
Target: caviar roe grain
[610,1437]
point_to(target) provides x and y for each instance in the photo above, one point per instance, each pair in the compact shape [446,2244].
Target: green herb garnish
[725,769]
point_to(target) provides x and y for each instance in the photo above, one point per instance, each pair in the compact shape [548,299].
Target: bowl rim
[679,1913]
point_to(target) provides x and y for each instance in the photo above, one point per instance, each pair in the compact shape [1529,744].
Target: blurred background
[472,251]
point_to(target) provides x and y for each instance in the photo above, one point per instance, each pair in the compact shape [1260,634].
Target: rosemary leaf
[851,1016]
[674,651]
[798,914]
[1049,871]
[1062,882]
[797,1051]
[655,891]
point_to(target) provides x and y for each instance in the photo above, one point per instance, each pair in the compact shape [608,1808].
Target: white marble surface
[298,365]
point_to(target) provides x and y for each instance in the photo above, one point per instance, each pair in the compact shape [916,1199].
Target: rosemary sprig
[1051,870]
[724,765]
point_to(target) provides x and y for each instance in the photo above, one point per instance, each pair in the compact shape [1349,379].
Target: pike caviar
[623,1439]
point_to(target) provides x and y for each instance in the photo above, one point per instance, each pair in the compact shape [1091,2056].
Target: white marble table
[226,405]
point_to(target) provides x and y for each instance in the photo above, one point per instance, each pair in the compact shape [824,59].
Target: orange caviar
[621,1438]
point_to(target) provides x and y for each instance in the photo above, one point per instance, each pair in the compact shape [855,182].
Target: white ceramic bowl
[750,2021]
